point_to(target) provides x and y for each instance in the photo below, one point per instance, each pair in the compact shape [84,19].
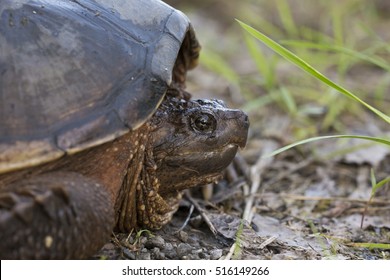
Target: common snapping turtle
[96,130]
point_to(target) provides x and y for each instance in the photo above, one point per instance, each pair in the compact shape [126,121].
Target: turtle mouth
[203,162]
[193,168]
[220,159]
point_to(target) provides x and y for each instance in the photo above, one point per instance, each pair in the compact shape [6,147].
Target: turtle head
[194,141]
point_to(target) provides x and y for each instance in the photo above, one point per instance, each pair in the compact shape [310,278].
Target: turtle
[97,131]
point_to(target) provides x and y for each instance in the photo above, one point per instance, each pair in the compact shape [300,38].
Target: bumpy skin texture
[185,144]
[67,208]
[83,150]
[45,218]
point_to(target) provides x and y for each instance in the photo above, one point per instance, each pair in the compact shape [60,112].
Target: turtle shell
[78,73]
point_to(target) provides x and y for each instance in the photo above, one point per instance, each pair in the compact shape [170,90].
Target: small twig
[187,219]
[231,252]
[202,212]
[115,239]
[267,242]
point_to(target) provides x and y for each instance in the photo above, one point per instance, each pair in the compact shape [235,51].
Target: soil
[306,203]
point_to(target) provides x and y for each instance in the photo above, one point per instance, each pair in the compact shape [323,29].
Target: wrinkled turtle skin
[96,131]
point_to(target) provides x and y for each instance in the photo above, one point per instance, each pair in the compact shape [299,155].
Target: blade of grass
[307,67]
[288,100]
[369,58]
[332,116]
[337,25]
[369,138]
[261,61]
[373,179]
[286,17]
[379,185]
[370,245]
[381,89]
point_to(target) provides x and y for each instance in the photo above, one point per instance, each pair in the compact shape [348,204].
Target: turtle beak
[240,134]
[237,123]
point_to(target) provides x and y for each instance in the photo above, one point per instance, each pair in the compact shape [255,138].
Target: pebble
[183,236]
[215,254]
[183,250]
[144,256]
[129,254]
[169,251]
[204,256]
[168,246]
[157,254]
[154,242]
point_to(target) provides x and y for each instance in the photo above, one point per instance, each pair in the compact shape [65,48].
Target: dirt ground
[305,203]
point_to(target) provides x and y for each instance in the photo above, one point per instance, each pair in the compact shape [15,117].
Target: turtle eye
[204,123]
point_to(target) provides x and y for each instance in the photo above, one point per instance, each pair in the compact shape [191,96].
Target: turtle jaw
[190,169]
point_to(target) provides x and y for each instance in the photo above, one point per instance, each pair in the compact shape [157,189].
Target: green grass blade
[369,58]
[383,246]
[286,17]
[373,180]
[288,100]
[260,60]
[337,24]
[369,138]
[307,67]
[379,185]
